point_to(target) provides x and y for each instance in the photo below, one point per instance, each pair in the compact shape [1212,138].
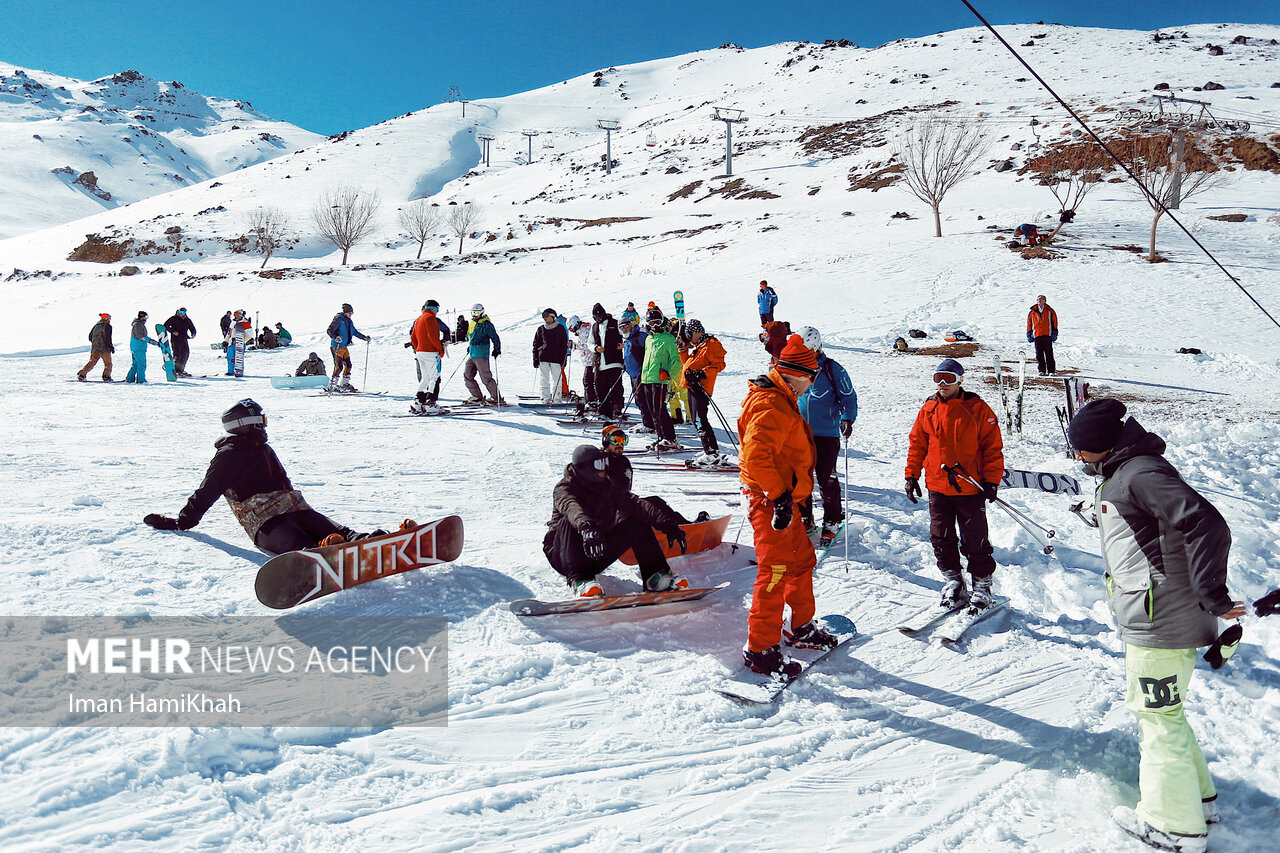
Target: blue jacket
[819,406]
[346,331]
[766,299]
[481,334]
[633,352]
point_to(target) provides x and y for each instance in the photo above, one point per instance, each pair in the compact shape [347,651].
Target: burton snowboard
[166,352]
[290,579]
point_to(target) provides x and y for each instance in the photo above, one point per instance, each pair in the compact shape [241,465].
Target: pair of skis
[1012,408]
[949,624]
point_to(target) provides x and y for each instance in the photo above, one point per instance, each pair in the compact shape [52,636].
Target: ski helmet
[575,321]
[243,417]
[347,309]
[812,337]
[589,464]
[654,320]
[615,435]
[477,310]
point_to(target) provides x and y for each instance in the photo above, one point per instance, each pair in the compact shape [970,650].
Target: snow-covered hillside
[604,733]
[70,148]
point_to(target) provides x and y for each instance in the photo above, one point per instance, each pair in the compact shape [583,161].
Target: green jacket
[660,354]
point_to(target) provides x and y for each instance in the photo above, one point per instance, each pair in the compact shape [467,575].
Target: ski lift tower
[486,139]
[608,126]
[730,117]
[529,135]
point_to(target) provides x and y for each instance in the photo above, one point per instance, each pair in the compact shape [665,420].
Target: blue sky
[330,66]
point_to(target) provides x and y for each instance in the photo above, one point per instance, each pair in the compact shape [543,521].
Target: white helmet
[477,309]
[812,338]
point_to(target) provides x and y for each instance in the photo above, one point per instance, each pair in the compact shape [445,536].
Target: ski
[1004,395]
[543,407]
[593,421]
[290,579]
[439,412]
[826,549]
[593,604]
[1022,382]
[676,451]
[710,492]
[678,299]
[753,688]
[953,630]
[926,619]
[657,465]
[326,392]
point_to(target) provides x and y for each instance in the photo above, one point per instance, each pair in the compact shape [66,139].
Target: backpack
[334,327]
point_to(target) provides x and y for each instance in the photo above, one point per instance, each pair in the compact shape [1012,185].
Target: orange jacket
[707,356]
[776,446]
[963,430]
[1042,323]
[426,335]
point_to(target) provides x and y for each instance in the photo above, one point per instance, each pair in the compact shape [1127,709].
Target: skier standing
[595,519]
[429,347]
[766,299]
[235,342]
[550,352]
[247,472]
[661,362]
[460,329]
[956,428]
[1042,330]
[342,329]
[774,338]
[1164,551]
[181,330]
[225,324]
[830,407]
[581,333]
[100,347]
[705,361]
[633,338]
[138,340]
[777,472]
[481,334]
[606,344]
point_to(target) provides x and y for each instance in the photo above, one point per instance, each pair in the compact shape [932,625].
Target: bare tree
[344,216]
[464,219]
[936,155]
[1070,170]
[419,221]
[267,227]
[1152,161]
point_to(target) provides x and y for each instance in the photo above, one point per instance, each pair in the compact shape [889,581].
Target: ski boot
[981,598]
[829,531]
[664,582]
[954,593]
[346,387]
[1128,820]
[587,588]
[771,662]
[662,445]
[80,376]
[641,430]
[811,635]
[472,401]
[419,406]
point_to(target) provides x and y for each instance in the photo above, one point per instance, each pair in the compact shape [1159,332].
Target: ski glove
[1053,338]
[846,428]
[913,489]
[695,376]
[535,361]
[161,522]
[497,353]
[1268,604]
[592,542]
[1030,339]
[989,491]
[783,509]
[676,535]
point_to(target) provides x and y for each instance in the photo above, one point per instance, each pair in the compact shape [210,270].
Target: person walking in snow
[342,330]
[829,407]
[138,341]
[1042,330]
[704,363]
[956,430]
[181,330]
[1164,554]
[766,299]
[247,472]
[100,348]
[429,339]
[776,457]
[481,334]
[313,365]
[595,519]
[550,352]
[606,345]
[661,362]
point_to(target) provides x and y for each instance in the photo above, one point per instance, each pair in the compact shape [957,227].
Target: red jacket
[426,334]
[707,356]
[776,444]
[962,430]
[1042,324]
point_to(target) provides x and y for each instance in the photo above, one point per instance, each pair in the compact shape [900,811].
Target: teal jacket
[660,354]
[481,334]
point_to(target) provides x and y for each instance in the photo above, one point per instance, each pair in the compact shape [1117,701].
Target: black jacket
[550,344]
[225,323]
[605,334]
[180,328]
[603,504]
[244,465]
[460,330]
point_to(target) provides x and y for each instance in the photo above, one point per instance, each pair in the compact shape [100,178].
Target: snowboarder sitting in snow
[595,519]
[267,339]
[282,335]
[312,366]
[247,472]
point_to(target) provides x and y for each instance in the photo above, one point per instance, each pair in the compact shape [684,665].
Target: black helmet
[589,465]
[244,417]
[654,320]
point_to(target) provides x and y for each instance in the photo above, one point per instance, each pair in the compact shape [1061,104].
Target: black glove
[1268,604]
[409,344]
[695,376]
[783,509]
[989,491]
[913,489]
[497,353]
[113,350]
[593,543]
[535,361]
[674,535]
[161,522]
[846,428]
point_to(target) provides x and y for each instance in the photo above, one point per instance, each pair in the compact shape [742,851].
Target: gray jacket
[1163,545]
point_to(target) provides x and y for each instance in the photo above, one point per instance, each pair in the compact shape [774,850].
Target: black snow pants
[969,513]
[564,550]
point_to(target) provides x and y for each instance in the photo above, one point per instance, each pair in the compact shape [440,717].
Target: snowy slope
[602,733]
[137,136]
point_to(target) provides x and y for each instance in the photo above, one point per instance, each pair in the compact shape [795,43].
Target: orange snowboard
[702,536]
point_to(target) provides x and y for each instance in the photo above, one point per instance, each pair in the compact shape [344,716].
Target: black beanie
[1096,427]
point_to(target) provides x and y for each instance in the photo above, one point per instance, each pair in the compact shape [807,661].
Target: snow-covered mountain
[604,733]
[70,148]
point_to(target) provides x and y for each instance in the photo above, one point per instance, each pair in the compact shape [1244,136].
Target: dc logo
[1160,692]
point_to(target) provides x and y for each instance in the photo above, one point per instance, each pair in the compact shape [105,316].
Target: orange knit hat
[797,359]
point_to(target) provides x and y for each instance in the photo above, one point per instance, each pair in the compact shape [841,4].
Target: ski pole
[1020,518]
[724,423]
[845,506]
[365,380]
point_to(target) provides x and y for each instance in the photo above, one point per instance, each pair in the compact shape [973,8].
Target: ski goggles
[616,437]
[945,377]
[598,464]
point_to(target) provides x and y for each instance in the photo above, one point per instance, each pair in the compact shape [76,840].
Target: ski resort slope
[603,732]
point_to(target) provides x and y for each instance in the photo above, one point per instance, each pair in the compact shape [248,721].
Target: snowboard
[1054,484]
[534,607]
[678,298]
[298,576]
[317,381]
[701,536]
[166,352]
[752,688]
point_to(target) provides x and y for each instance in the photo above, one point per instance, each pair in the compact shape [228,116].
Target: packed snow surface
[603,732]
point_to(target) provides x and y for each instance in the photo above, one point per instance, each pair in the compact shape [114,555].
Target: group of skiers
[429,339]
